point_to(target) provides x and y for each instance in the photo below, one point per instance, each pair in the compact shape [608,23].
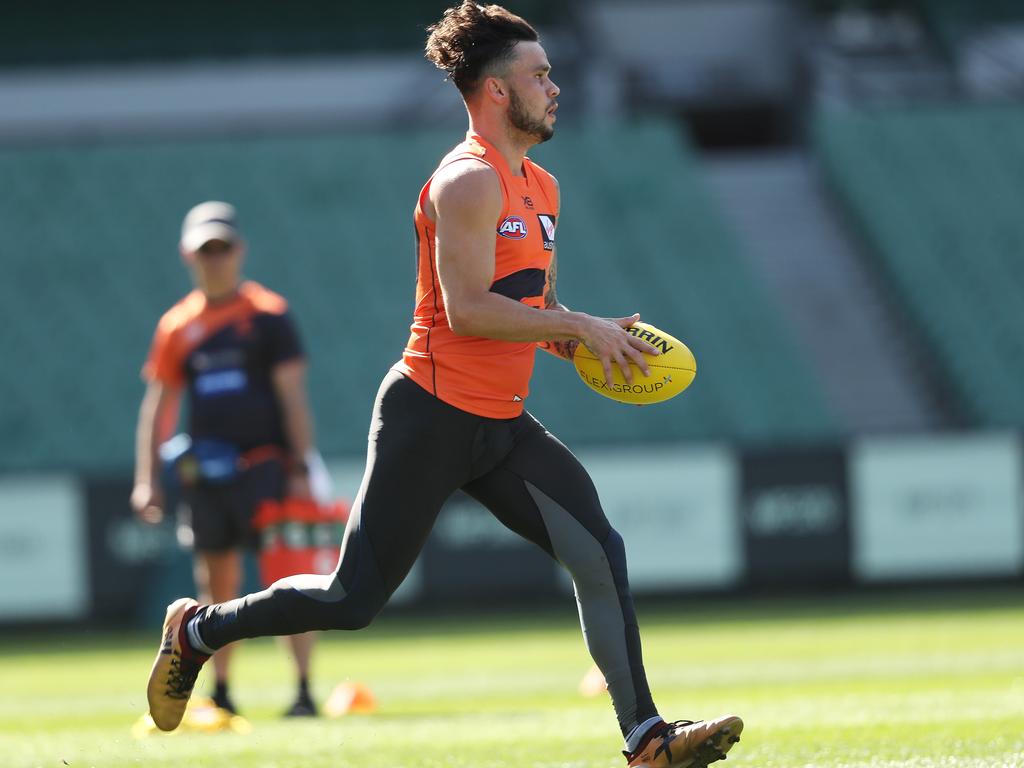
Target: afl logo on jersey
[513,227]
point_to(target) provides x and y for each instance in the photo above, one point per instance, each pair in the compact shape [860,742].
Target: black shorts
[217,517]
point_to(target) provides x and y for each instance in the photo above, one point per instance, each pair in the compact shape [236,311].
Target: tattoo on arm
[564,348]
[550,297]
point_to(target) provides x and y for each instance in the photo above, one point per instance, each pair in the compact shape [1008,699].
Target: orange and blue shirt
[223,355]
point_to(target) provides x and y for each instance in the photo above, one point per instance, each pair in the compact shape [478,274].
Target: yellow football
[671,372]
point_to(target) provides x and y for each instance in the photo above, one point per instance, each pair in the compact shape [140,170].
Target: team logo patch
[547,229]
[513,227]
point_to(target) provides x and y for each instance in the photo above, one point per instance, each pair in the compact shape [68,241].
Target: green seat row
[90,262]
[937,195]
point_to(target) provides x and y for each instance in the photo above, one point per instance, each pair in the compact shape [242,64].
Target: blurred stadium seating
[951,21]
[659,245]
[124,32]
[328,221]
[936,193]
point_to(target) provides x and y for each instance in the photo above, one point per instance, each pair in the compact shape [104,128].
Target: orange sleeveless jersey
[486,377]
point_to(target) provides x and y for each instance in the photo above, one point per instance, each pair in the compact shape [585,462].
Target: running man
[232,347]
[450,414]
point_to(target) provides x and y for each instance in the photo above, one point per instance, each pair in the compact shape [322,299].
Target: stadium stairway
[796,244]
[936,194]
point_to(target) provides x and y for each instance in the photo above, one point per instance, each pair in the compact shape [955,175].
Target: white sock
[192,633]
[637,734]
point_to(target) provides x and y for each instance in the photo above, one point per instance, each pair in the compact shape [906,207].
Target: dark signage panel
[795,508]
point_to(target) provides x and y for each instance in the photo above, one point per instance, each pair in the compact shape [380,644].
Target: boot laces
[182,678]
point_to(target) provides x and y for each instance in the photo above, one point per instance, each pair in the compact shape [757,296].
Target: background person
[232,347]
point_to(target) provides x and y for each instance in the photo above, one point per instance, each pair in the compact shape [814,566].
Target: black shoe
[303,707]
[221,700]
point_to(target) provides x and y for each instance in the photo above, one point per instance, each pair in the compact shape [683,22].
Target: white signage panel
[677,510]
[937,507]
[43,549]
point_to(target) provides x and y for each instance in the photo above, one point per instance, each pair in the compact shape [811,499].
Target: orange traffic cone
[350,699]
[593,683]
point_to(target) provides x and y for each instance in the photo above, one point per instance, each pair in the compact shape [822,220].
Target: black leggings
[421,450]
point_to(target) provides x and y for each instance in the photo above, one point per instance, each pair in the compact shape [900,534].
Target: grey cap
[211,220]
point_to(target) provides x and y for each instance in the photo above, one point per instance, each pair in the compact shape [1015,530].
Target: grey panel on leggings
[326,589]
[604,628]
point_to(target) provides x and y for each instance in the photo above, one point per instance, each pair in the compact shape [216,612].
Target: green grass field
[909,681]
